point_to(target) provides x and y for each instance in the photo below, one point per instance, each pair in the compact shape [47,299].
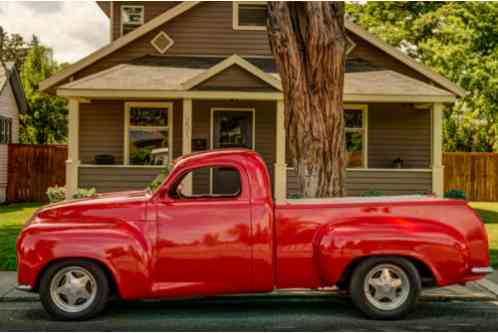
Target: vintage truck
[168,243]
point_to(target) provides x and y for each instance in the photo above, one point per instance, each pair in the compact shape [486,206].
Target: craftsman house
[180,77]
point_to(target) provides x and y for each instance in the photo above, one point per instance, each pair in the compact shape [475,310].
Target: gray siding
[113,179]
[398,130]
[236,78]
[390,183]
[102,130]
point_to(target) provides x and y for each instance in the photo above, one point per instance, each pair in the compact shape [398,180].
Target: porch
[393,122]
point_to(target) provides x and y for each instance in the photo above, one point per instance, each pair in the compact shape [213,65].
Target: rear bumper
[24,287]
[481,270]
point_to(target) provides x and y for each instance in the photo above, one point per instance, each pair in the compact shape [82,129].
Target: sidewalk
[483,290]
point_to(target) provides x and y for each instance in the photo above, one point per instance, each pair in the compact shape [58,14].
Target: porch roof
[163,74]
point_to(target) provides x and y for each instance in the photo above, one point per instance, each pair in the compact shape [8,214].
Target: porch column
[437,149]
[187,140]
[73,159]
[280,171]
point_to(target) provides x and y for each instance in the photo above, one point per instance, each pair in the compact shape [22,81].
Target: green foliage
[458,40]
[159,179]
[85,193]
[56,194]
[455,194]
[46,120]
[13,48]
[372,193]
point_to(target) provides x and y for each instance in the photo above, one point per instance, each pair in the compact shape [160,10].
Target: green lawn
[13,216]
[489,214]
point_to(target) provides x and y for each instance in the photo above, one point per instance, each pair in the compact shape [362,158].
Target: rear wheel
[74,290]
[385,287]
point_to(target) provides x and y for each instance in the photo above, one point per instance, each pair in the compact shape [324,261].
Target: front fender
[120,247]
[440,247]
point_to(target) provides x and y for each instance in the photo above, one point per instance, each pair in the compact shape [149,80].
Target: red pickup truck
[165,243]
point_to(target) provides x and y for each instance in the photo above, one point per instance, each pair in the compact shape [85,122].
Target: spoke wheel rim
[387,287]
[73,289]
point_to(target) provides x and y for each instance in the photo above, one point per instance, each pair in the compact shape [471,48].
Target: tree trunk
[308,42]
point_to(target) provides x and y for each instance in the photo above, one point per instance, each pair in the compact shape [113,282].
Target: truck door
[204,238]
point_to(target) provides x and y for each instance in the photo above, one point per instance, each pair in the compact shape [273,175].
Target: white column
[280,171]
[187,140]
[73,159]
[437,149]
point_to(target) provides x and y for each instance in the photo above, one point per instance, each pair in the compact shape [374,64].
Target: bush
[455,194]
[159,179]
[85,193]
[56,194]
[372,193]
[295,196]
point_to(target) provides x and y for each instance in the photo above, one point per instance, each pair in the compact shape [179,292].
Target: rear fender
[441,248]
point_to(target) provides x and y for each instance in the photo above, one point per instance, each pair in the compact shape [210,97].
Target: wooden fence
[474,173]
[34,168]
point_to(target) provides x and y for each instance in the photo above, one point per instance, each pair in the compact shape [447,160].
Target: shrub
[372,193]
[56,194]
[455,194]
[85,193]
[295,196]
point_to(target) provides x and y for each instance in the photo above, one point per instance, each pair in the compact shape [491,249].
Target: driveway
[268,313]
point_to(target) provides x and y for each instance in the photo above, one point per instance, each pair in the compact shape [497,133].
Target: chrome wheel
[386,287]
[73,289]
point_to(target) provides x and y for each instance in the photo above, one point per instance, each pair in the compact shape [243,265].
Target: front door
[231,129]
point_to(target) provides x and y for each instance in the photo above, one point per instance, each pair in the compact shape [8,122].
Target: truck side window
[212,182]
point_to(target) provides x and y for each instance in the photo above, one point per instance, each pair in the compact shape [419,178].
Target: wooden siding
[398,130]
[265,116]
[102,130]
[234,78]
[8,108]
[389,183]
[207,29]
[113,179]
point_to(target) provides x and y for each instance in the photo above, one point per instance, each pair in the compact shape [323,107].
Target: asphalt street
[241,313]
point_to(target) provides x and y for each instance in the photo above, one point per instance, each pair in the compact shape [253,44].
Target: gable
[234,78]
[205,29]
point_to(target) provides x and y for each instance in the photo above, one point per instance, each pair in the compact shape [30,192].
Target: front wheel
[74,290]
[385,287]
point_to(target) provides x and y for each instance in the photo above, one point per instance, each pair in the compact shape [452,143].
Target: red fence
[34,168]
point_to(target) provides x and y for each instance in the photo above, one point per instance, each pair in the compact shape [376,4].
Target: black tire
[361,300]
[96,306]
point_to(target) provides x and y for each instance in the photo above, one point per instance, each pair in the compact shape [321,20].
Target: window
[148,134]
[226,183]
[249,15]
[355,123]
[5,130]
[131,18]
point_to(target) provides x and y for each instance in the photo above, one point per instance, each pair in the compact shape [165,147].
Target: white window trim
[235,17]
[211,138]
[364,111]
[128,106]
[121,23]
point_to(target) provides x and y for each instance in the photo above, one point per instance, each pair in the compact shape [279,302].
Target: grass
[489,214]
[13,216]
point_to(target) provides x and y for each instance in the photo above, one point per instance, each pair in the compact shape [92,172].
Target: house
[12,102]
[188,76]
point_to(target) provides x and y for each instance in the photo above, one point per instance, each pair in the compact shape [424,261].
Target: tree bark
[308,42]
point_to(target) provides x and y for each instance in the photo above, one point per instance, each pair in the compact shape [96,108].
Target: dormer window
[132,17]
[249,15]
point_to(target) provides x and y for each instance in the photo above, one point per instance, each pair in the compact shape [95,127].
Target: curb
[489,286]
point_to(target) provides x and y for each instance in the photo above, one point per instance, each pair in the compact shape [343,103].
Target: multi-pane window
[149,135]
[131,18]
[5,130]
[355,138]
[249,15]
